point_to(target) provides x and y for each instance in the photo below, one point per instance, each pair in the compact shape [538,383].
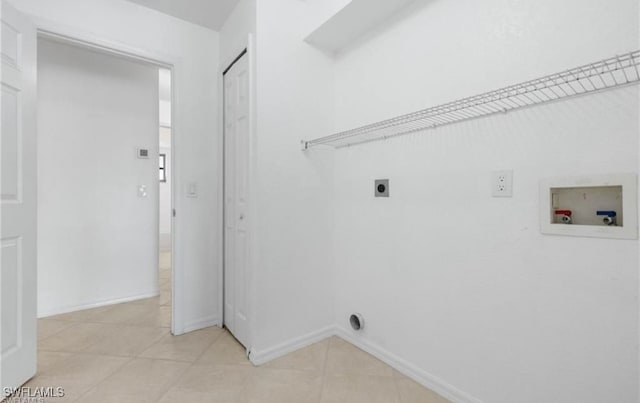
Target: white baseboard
[259,357]
[424,378]
[201,324]
[80,307]
[446,390]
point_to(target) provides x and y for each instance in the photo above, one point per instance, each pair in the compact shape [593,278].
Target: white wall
[488,309]
[195,52]
[322,11]
[235,31]
[461,286]
[97,239]
[292,248]
[489,306]
[291,208]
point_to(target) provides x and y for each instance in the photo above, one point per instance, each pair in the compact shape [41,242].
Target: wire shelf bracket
[610,73]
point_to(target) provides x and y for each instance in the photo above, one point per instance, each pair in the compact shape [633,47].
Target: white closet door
[18,200]
[236,166]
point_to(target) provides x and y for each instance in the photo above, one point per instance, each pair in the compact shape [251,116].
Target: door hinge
[173,212]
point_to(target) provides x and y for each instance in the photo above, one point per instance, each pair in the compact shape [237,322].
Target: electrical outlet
[381,188]
[502,184]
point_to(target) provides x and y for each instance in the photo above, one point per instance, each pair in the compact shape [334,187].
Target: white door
[236,167]
[18,200]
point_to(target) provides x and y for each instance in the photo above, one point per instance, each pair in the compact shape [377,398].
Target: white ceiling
[208,13]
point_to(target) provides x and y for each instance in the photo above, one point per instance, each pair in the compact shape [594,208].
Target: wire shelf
[609,73]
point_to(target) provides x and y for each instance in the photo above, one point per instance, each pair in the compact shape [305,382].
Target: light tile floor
[125,353]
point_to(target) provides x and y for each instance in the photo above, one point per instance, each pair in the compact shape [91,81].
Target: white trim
[258,357]
[177,269]
[637,207]
[54,30]
[220,189]
[638,268]
[444,389]
[202,323]
[424,378]
[74,308]
[252,183]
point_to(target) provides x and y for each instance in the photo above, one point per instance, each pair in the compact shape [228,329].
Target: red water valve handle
[564,212]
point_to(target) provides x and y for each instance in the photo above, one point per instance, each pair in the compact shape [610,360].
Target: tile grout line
[92,386]
[73,324]
[169,359]
[324,368]
[191,365]
[397,387]
[129,358]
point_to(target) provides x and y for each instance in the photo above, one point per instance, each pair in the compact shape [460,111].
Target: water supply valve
[609,216]
[565,216]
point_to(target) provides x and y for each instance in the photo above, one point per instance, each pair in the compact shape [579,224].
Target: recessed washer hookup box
[599,206]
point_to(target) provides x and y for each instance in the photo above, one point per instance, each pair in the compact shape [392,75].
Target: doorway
[21,39]
[104,181]
[236,137]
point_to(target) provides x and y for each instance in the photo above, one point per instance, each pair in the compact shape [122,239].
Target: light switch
[192,189]
[142,191]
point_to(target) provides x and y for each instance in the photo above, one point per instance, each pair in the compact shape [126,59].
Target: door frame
[52,30]
[244,48]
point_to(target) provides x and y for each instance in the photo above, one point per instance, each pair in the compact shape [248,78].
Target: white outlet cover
[502,184]
[192,189]
[142,191]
